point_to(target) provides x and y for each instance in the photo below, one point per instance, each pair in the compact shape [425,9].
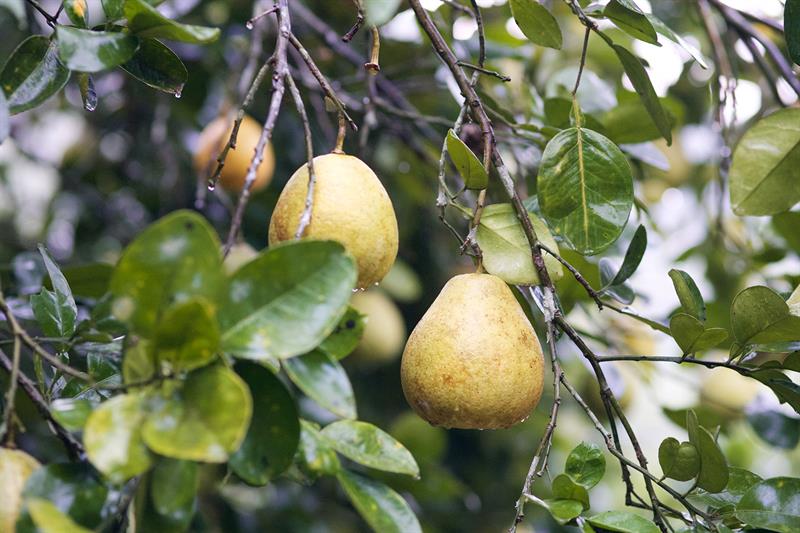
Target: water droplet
[212,185]
[249,25]
[178,93]
[377,283]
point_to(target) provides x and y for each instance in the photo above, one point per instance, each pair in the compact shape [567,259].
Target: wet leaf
[155,65]
[146,21]
[586,464]
[370,446]
[381,507]
[760,315]
[678,460]
[322,378]
[564,488]
[187,337]
[32,74]
[346,336]
[315,456]
[739,482]
[772,504]
[93,51]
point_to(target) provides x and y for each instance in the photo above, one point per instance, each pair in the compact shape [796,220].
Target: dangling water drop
[178,93]
[211,185]
[249,25]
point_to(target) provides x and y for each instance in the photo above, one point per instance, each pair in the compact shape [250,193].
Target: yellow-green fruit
[473,361]
[15,468]
[385,330]
[213,139]
[727,391]
[350,206]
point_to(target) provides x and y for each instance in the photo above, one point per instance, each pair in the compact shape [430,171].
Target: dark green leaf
[692,336]
[172,260]
[379,12]
[146,21]
[173,486]
[739,482]
[537,23]
[315,455]
[772,504]
[678,460]
[32,74]
[775,428]
[370,446]
[760,315]
[688,294]
[113,9]
[381,507]
[93,51]
[77,12]
[506,251]
[86,281]
[667,32]
[187,337]
[630,19]
[346,336]
[623,522]
[287,300]
[469,166]
[204,420]
[565,488]
[791,29]
[713,476]
[113,437]
[585,189]
[633,256]
[784,388]
[74,489]
[644,88]
[630,121]
[762,176]
[274,433]
[586,464]
[71,413]
[323,379]
[154,64]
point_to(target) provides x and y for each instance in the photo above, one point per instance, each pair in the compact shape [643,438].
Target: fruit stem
[340,135]
[373,67]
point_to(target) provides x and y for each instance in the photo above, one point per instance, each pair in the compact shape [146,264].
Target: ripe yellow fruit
[213,139]
[15,468]
[350,206]
[473,361]
[385,330]
[728,392]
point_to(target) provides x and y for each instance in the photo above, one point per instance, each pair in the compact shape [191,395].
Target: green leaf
[54,317]
[791,29]
[762,176]
[370,446]
[5,117]
[630,121]
[77,12]
[692,336]
[287,300]
[172,260]
[564,511]
[381,507]
[760,315]
[623,522]
[633,256]
[688,294]
[565,488]
[86,281]
[187,337]
[32,74]
[93,51]
[630,19]
[315,456]
[146,21]
[586,464]
[678,460]
[73,488]
[784,388]
[346,336]
[322,378]
[667,32]
[173,486]
[739,482]
[49,519]
[585,189]
[113,9]
[204,420]
[644,88]
[113,437]
[506,251]
[467,163]
[623,293]
[139,362]
[536,22]
[154,64]
[274,433]
[713,476]
[379,12]
[71,413]
[772,504]
[775,428]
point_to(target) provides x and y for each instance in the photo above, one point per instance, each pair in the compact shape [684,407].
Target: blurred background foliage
[85,183]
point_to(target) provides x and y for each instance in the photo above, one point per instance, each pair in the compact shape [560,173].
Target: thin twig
[305,217]
[501,77]
[11,395]
[347,37]
[593,294]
